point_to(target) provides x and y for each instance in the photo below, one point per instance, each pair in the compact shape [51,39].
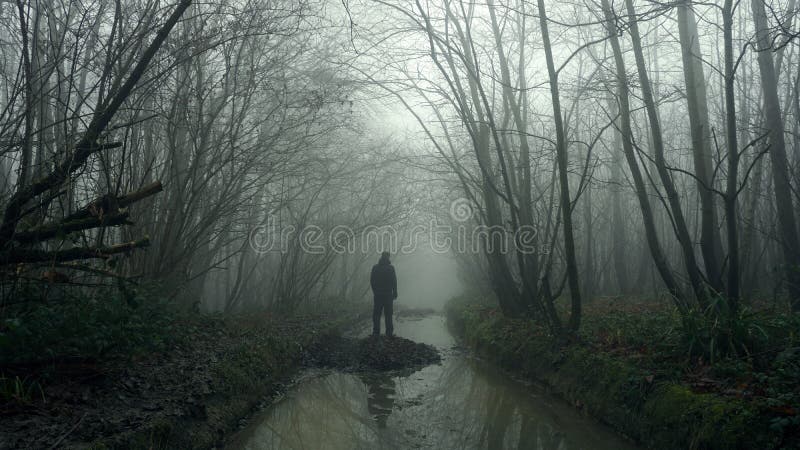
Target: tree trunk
[701,142]
[23,178]
[529,270]
[561,154]
[681,230]
[780,166]
[660,260]
[733,161]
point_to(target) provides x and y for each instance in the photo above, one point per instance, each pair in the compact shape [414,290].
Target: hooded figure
[384,289]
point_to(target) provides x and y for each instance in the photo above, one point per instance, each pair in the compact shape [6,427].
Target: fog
[626,142]
[426,279]
[190,182]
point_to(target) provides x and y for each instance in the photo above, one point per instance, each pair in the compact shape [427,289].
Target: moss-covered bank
[658,413]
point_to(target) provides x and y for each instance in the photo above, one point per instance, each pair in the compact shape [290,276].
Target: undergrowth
[38,334]
[750,359]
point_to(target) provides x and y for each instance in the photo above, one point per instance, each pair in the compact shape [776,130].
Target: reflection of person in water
[380,398]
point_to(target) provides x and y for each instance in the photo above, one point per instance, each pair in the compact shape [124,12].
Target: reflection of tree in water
[493,414]
[474,410]
[499,413]
[324,414]
[381,391]
[511,422]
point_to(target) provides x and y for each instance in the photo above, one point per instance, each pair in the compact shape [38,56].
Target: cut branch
[109,203]
[50,231]
[17,256]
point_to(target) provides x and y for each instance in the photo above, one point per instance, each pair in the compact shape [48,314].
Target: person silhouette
[384,290]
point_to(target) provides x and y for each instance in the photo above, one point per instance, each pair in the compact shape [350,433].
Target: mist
[427,279]
[225,222]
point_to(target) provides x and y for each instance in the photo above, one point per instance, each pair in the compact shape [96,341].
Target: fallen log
[19,255]
[52,230]
[109,202]
[104,211]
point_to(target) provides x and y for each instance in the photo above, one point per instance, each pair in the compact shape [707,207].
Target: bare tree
[780,164]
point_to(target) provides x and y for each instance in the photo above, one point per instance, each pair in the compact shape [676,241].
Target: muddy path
[459,403]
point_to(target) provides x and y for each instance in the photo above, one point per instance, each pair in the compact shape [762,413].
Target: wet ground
[370,354]
[461,403]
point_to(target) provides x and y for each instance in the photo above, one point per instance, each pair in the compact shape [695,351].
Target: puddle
[461,403]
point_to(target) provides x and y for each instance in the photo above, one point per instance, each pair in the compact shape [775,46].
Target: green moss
[705,420]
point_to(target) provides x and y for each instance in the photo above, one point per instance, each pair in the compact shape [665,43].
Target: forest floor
[370,354]
[660,380]
[206,374]
[150,377]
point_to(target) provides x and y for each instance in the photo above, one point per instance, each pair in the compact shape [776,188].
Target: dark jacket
[383,280]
